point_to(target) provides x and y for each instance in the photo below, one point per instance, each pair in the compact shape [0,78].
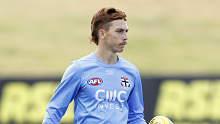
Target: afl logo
[95,81]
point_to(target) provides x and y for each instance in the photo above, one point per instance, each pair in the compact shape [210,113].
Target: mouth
[123,44]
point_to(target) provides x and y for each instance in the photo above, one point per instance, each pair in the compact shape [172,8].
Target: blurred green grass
[165,37]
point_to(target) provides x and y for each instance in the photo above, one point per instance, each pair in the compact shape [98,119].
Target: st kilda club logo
[125,82]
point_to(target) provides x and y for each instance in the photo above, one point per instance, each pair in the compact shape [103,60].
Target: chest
[109,84]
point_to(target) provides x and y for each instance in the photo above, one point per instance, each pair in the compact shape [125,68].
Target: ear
[101,33]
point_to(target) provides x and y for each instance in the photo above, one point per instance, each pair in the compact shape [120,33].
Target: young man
[106,89]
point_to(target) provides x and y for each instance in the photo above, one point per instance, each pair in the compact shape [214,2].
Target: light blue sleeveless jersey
[102,94]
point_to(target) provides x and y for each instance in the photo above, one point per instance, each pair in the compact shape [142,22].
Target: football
[160,120]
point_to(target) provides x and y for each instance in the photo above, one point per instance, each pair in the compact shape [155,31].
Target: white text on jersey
[109,95]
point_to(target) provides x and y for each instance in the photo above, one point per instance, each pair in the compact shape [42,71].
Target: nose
[125,37]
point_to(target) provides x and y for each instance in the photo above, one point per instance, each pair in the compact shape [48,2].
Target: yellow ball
[160,120]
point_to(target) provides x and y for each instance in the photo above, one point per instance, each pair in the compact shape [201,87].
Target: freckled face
[116,37]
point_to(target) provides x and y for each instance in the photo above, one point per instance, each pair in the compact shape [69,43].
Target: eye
[119,31]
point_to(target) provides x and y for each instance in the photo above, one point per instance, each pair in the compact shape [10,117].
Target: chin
[120,51]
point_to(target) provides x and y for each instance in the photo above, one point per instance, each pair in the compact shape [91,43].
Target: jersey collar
[97,60]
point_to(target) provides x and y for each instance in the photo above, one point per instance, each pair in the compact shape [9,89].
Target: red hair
[102,19]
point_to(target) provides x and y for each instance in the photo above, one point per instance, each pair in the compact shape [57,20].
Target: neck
[105,56]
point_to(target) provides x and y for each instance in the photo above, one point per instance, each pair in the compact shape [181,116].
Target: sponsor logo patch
[95,81]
